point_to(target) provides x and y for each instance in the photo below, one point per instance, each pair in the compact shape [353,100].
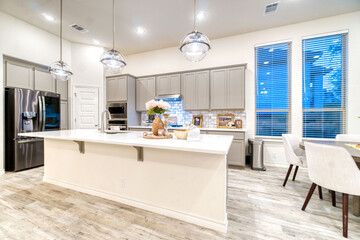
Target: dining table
[354,152]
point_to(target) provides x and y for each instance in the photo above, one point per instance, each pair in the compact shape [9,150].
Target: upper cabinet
[116,89]
[227,88]
[18,75]
[195,90]
[145,91]
[44,81]
[168,84]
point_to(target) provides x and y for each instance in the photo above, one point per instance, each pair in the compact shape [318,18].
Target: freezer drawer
[28,153]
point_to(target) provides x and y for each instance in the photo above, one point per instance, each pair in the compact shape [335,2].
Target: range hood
[167,96]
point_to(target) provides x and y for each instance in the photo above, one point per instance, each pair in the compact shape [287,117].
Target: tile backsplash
[209,117]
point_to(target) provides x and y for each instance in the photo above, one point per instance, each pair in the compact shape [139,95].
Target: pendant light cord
[113,24]
[194,15]
[61,30]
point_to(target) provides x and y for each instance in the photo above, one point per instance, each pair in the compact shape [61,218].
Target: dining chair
[332,167]
[348,138]
[294,156]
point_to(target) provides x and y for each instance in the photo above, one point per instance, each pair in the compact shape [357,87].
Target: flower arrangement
[157,107]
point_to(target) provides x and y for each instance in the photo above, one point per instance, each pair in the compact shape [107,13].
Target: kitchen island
[176,178]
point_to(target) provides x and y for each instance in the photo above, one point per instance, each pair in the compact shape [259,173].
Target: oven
[117,110]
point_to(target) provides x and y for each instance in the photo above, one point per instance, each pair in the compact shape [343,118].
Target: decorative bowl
[181,134]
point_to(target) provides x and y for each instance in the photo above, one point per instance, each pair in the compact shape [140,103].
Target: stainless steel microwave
[117,110]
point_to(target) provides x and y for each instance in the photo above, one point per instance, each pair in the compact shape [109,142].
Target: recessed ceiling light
[200,15]
[140,30]
[266,62]
[96,42]
[48,17]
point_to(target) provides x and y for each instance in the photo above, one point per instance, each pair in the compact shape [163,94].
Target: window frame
[289,95]
[344,90]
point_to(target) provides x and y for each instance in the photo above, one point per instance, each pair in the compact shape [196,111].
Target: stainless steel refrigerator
[28,111]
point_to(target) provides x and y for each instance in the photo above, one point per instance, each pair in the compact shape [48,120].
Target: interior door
[86,108]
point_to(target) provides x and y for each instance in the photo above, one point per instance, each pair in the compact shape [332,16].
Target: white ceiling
[167,21]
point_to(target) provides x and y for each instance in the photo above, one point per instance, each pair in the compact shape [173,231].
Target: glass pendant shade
[113,61]
[195,46]
[60,71]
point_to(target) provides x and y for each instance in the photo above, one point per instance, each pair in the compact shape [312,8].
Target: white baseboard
[201,221]
[281,165]
[2,171]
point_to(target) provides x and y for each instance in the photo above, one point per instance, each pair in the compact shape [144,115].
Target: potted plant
[157,108]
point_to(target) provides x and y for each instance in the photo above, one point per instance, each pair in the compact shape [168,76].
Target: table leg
[356,205]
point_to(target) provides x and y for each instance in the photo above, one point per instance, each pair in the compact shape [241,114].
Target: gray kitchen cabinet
[44,81]
[64,115]
[62,89]
[116,89]
[218,89]
[168,84]
[195,90]
[236,155]
[227,88]
[18,75]
[145,91]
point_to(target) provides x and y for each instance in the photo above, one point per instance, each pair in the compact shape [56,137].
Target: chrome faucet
[104,116]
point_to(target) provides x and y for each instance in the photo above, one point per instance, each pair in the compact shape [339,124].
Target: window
[272,89]
[324,86]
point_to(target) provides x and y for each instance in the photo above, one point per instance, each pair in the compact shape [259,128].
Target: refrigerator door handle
[44,113]
[40,113]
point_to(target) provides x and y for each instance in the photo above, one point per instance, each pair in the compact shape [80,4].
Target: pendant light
[113,61]
[60,70]
[195,45]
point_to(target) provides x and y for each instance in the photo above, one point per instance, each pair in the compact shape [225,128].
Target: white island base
[186,185]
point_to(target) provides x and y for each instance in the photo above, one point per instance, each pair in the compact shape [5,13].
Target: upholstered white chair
[333,168]
[294,156]
[348,138]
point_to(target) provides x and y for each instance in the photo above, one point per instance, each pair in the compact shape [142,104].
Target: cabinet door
[168,84]
[202,90]
[64,115]
[163,85]
[19,76]
[44,81]
[188,91]
[121,89]
[174,84]
[62,89]
[236,155]
[145,91]
[111,87]
[218,89]
[236,88]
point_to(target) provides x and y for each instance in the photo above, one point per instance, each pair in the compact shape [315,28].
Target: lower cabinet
[236,155]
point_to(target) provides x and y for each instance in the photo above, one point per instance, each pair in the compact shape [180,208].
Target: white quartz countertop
[201,129]
[214,144]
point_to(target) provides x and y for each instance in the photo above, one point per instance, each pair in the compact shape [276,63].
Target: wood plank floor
[258,207]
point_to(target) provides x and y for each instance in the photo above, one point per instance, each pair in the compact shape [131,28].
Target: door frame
[73,103]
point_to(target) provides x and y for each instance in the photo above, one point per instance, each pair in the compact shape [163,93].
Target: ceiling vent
[78,28]
[271,8]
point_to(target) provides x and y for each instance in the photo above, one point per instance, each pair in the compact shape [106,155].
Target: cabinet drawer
[237,135]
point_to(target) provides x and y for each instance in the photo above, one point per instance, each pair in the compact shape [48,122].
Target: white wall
[88,71]
[240,49]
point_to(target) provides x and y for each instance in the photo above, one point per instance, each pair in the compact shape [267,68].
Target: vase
[157,124]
